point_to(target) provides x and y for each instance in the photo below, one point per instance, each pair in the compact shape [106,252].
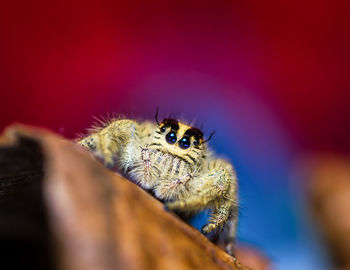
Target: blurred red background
[61,59]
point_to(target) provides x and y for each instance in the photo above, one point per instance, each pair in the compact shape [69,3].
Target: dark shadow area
[25,239]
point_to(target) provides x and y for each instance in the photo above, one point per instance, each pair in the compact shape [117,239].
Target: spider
[172,159]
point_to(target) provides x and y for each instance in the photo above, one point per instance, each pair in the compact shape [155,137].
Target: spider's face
[179,139]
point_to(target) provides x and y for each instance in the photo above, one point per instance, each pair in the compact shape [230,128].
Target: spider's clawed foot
[208,228]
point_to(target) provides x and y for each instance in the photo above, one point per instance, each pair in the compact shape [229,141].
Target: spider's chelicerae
[173,160]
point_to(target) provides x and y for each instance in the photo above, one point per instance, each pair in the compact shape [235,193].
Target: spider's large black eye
[171,137]
[184,143]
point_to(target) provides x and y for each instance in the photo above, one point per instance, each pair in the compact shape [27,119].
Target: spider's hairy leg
[194,203]
[107,142]
[217,190]
[225,187]
[225,211]
[220,216]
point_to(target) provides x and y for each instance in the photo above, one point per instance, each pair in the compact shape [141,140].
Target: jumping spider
[173,161]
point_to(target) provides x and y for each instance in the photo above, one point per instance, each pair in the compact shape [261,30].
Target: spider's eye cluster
[184,143]
[171,137]
[170,128]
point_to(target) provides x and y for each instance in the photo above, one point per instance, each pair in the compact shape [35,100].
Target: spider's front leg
[216,190]
[107,142]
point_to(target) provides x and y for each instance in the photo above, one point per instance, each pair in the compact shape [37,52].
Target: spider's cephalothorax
[171,159]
